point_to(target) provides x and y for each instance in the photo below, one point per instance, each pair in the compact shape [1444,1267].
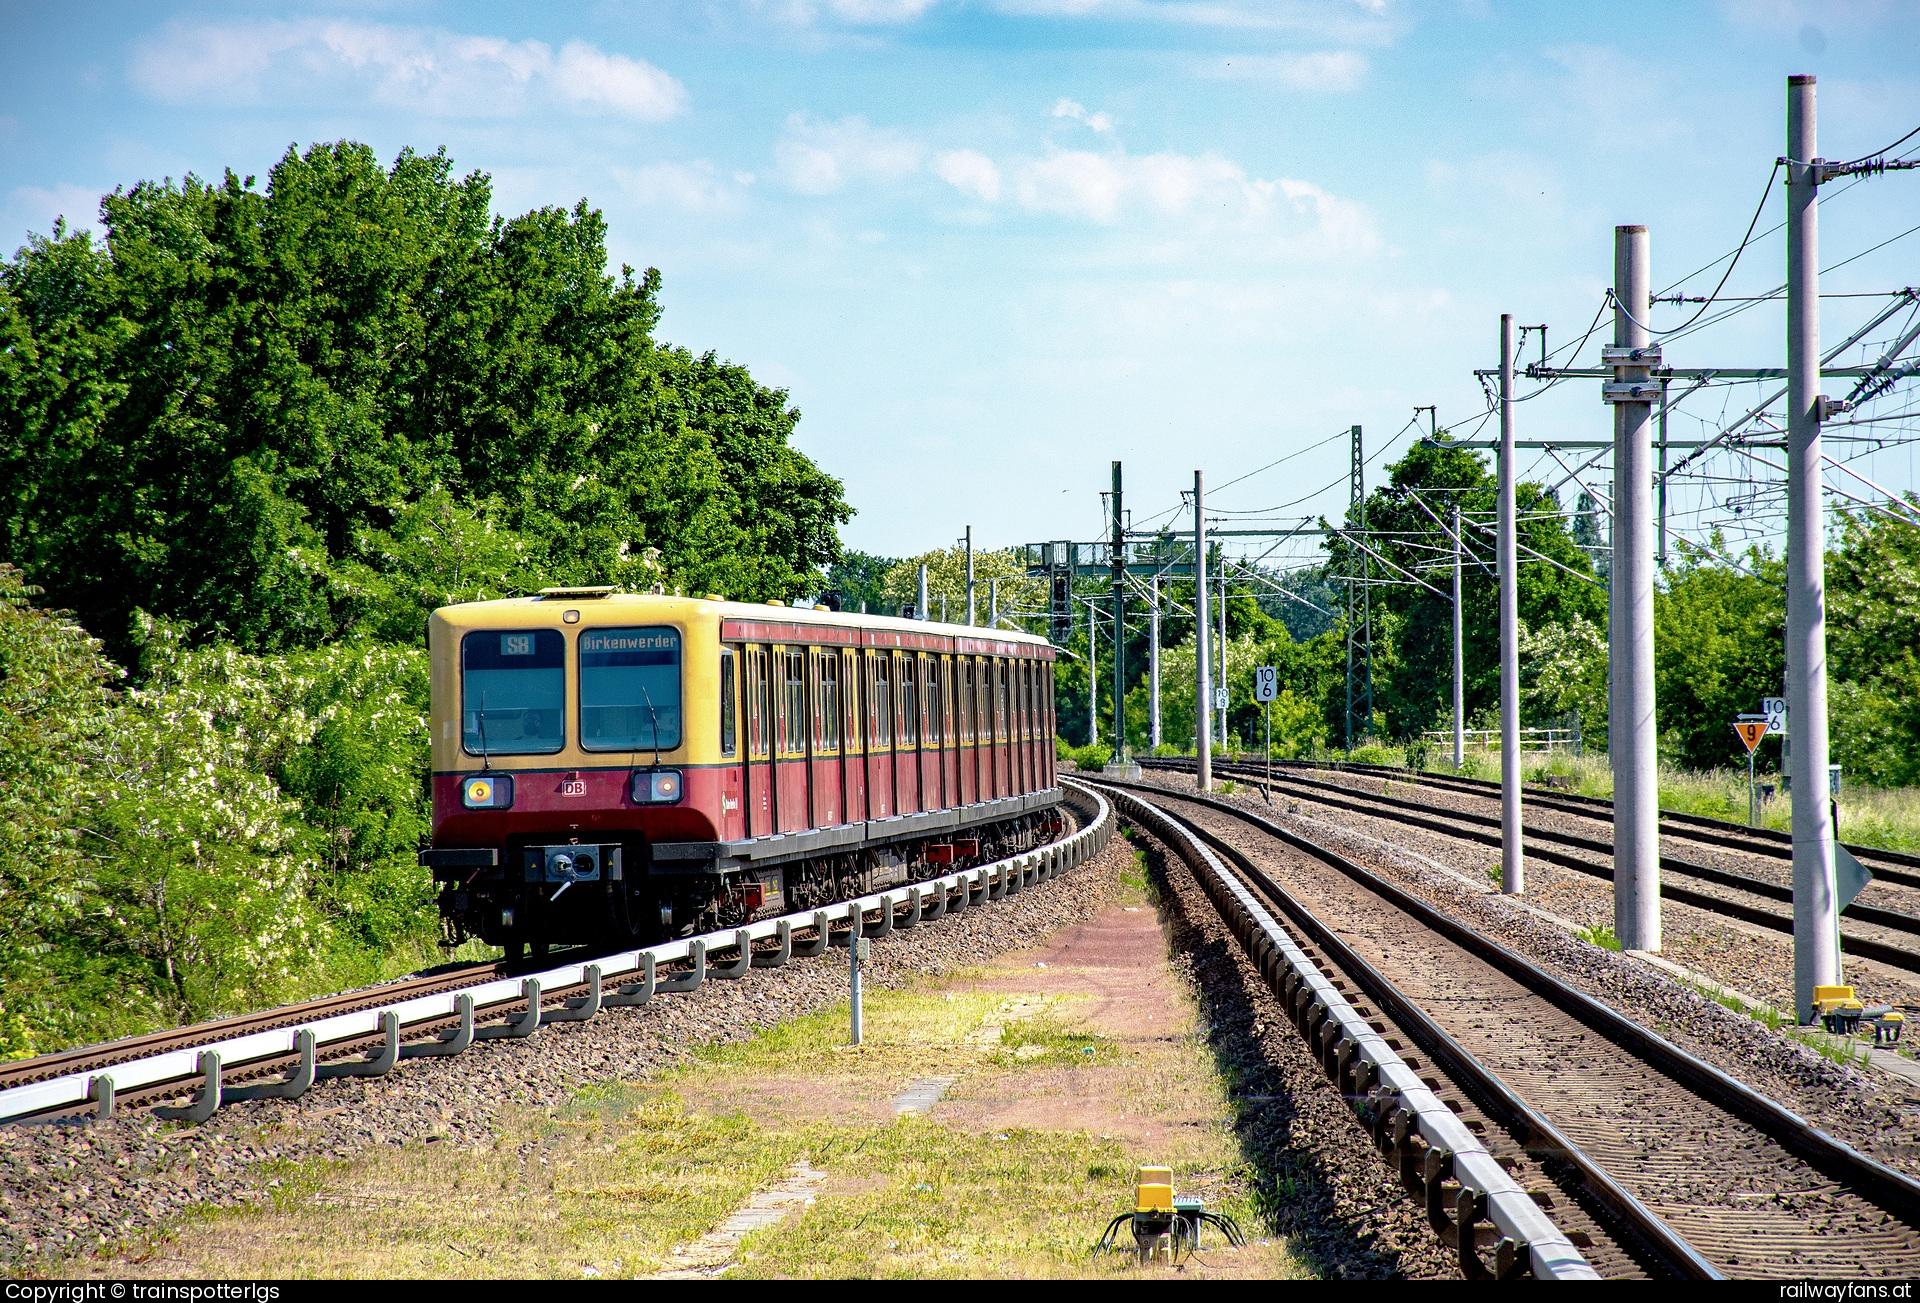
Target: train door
[963,729]
[759,750]
[937,731]
[906,732]
[791,729]
[853,752]
[733,812]
[1018,673]
[1002,749]
[880,791]
[829,804]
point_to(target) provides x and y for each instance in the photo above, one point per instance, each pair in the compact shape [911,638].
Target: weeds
[1601,936]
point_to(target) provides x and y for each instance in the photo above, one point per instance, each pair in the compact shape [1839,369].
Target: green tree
[1873,648]
[229,410]
[1413,624]
[1718,649]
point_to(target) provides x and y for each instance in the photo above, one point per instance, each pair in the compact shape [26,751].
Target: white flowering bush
[235,830]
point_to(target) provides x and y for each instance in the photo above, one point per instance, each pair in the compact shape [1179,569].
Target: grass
[608,1180]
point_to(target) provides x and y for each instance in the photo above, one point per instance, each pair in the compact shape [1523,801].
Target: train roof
[764,618]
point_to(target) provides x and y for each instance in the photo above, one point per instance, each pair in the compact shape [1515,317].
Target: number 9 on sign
[1266,683]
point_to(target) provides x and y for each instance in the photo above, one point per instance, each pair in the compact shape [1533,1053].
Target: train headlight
[657,787]
[487,792]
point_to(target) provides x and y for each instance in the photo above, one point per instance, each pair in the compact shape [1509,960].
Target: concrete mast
[1635,758]
[1816,920]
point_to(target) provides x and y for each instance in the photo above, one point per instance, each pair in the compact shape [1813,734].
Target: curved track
[761,950]
[1750,1187]
[1872,932]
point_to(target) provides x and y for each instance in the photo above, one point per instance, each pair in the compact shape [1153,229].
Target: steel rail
[240,1042]
[1892,1191]
[1422,1128]
[1537,1134]
[1713,832]
[1873,914]
[1436,820]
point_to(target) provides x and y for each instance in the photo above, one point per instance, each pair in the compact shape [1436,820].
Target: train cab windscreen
[513,692]
[630,689]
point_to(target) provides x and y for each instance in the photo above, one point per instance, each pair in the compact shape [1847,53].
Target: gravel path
[1870,1111]
[70,1190]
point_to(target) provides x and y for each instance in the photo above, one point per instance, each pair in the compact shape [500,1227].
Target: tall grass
[1869,816]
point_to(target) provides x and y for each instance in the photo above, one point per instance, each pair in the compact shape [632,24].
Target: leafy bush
[1093,758]
[235,830]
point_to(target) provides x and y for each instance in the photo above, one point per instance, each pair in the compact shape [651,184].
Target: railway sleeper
[1456,1200]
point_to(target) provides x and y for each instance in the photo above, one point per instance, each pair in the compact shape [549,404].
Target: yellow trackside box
[1153,1192]
[1829,998]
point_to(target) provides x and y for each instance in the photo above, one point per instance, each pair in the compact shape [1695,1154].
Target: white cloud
[1329,19]
[1066,108]
[1331,70]
[696,187]
[859,12]
[422,70]
[594,79]
[1204,192]
[819,158]
[970,172]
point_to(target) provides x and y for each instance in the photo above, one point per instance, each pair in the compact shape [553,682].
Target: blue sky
[991,245]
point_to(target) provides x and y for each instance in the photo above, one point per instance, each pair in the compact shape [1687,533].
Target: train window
[828,713]
[1000,701]
[793,737]
[936,698]
[513,691]
[963,705]
[630,689]
[727,708]
[880,705]
[909,732]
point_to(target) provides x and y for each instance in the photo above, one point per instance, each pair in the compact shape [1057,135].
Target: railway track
[1887,865]
[1662,1163]
[369,1031]
[1894,938]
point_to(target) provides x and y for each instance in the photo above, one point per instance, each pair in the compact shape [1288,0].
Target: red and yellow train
[616,767]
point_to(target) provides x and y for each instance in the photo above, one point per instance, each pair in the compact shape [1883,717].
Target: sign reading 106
[1266,683]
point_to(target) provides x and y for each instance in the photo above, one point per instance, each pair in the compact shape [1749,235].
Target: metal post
[1660,536]
[969,574]
[1512,864]
[920,610]
[1093,678]
[1753,804]
[1635,760]
[1153,667]
[1459,656]
[1119,567]
[1268,789]
[856,951]
[1202,696]
[993,603]
[1816,920]
[1220,661]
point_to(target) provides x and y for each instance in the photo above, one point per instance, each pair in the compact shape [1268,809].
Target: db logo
[573,787]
